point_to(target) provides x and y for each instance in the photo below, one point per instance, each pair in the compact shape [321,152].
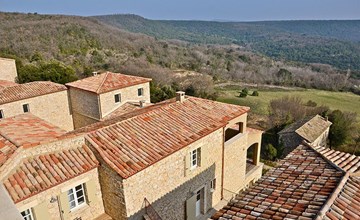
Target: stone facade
[130,93]
[45,209]
[8,69]
[53,108]
[88,107]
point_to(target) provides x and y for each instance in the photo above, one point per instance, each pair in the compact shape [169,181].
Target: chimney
[180,96]
[94,73]
[142,103]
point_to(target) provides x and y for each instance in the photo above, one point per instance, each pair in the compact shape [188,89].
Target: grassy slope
[335,100]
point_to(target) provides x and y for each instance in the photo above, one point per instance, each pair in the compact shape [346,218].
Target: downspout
[222,164]
[60,208]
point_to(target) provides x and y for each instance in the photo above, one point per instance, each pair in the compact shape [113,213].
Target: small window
[195,158]
[76,196]
[1,114]
[117,98]
[213,184]
[27,214]
[26,108]
[140,91]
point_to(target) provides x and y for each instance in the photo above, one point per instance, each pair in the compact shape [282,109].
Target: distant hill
[330,42]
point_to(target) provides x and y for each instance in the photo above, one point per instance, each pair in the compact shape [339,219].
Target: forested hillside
[63,48]
[330,42]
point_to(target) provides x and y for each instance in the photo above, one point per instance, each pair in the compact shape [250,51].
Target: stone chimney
[142,103]
[180,96]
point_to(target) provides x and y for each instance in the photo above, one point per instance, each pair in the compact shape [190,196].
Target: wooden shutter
[191,208]
[41,211]
[187,163]
[90,186]
[64,202]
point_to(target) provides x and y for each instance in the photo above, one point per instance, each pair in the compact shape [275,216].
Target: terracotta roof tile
[345,161]
[106,82]
[131,145]
[42,172]
[124,109]
[296,189]
[5,84]
[28,130]
[28,90]
[6,149]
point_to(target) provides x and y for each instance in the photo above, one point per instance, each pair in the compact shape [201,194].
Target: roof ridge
[330,201]
[314,148]
[103,81]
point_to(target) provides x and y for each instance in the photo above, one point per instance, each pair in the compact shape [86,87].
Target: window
[1,114]
[76,196]
[26,108]
[27,214]
[117,98]
[195,158]
[140,91]
[213,184]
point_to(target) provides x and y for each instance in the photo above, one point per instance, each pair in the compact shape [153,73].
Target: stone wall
[7,69]
[43,209]
[289,141]
[84,106]
[53,108]
[107,100]
[322,139]
[166,184]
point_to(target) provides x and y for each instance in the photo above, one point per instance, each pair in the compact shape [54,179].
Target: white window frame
[195,158]
[2,114]
[119,94]
[142,91]
[76,198]
[28,215]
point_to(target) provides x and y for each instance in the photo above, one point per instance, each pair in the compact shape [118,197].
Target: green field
[259,105]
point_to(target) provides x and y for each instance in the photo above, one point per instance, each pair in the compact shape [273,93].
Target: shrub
[270,152]
[255,93]
[244,93]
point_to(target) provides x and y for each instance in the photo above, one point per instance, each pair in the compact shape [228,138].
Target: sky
[226,10]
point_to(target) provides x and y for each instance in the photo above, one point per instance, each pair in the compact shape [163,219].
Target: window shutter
[187,163]
[41,212]
[90,186]
[64,202]
[200,155]
[191,208]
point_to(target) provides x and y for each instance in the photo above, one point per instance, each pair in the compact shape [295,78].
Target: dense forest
[47,45]
[330,42]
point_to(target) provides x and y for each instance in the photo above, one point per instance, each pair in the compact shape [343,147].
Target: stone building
[313,129]
[7,70]
[311,182]
[97,97]
[182,156]
[126,158]
[47,177]
[46,100]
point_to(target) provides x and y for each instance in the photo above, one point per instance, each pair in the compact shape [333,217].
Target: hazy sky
[236,10]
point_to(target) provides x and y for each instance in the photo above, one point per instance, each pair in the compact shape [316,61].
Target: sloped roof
[347,202]
[6,149]
[106,82]
[28,90]
[140,141]
[310,128]
[5,83]
[124,109]
[42,172]
[28,130]
[296,189]
[345,161]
